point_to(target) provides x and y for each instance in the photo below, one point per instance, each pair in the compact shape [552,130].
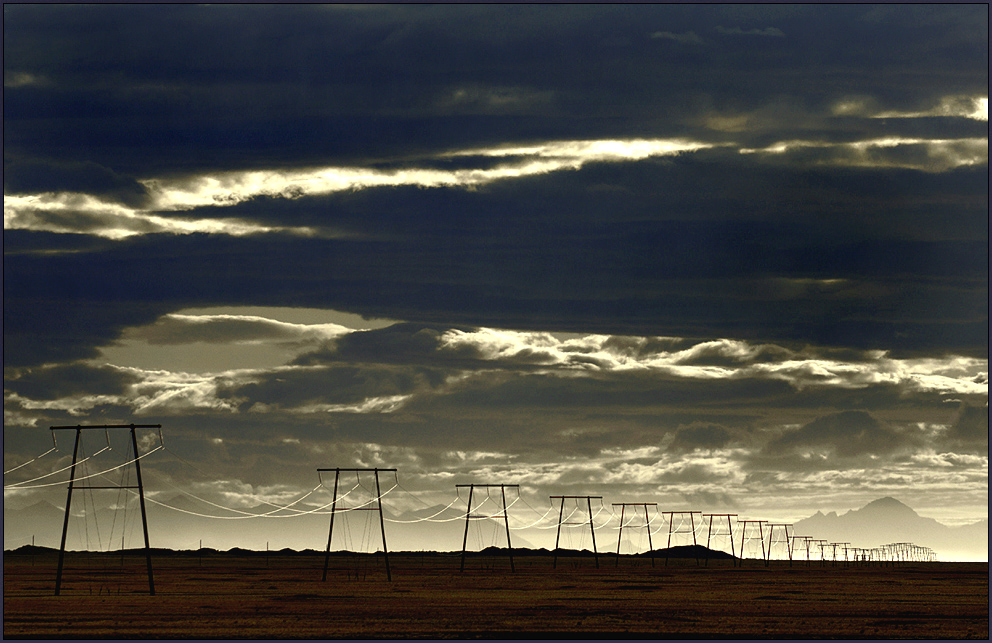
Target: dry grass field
[225,595]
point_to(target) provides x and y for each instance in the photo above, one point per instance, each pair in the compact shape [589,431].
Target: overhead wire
[244,514]
[21,485]
[24,484]
[38,457]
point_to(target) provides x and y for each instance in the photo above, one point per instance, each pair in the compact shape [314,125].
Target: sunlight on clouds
[164,392]
[472,457]
[952,460]
[70,212]
[474,357]
[67,212]
[493,344]
[74,405]
[385,404]
[973,107]
[175,328]
[938,154]
[961,106]
[595,150]
[229,188]
[242,495]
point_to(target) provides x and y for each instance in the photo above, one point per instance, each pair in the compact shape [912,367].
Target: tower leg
[592,530]
[382,526]
[620,535]
[468,514]
[647,523]
[65,523]
[506,519]
[330,533]
[692,525]
[561,512]
[709,534]
[144,518]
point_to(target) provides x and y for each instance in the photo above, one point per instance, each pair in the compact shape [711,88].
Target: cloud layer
[727,255]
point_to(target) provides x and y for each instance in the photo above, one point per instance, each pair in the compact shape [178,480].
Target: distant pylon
[592,529]
[843,550]
[672,529]
[778,534]
[802,544]
[647,524]
[744,537]
[468,515]
[729,533]
[822,545]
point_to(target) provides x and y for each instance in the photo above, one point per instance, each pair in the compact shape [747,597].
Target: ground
[281,595]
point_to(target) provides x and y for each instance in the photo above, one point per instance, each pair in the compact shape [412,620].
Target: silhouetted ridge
[692,551]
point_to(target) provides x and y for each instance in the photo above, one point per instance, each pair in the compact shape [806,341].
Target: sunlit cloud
[469,359]
[177,328]
[229,188]
[973,107]
[964,107]
[67,212]
[929,155]
[572,154]
[384,404]
[72,212]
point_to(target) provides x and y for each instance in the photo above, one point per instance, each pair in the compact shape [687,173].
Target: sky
[723,258]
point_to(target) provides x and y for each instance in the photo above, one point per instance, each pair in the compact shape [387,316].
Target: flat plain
[281,595]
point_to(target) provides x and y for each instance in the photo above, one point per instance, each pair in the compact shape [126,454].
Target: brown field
[230,595]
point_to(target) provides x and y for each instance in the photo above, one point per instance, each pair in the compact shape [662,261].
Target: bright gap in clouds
[135,350]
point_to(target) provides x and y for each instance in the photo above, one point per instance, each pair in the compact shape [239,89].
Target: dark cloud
[68,380]
[849,433]
[263,85]
[86,177]
[337,385]
[970,429]
[701,436]
[711,499]
[398,343]
[678,278]
[737,31]
[711,244]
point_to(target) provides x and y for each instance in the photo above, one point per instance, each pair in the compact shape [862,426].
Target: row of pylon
[773,537]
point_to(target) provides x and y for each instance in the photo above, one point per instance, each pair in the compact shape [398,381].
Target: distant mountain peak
[889,505]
